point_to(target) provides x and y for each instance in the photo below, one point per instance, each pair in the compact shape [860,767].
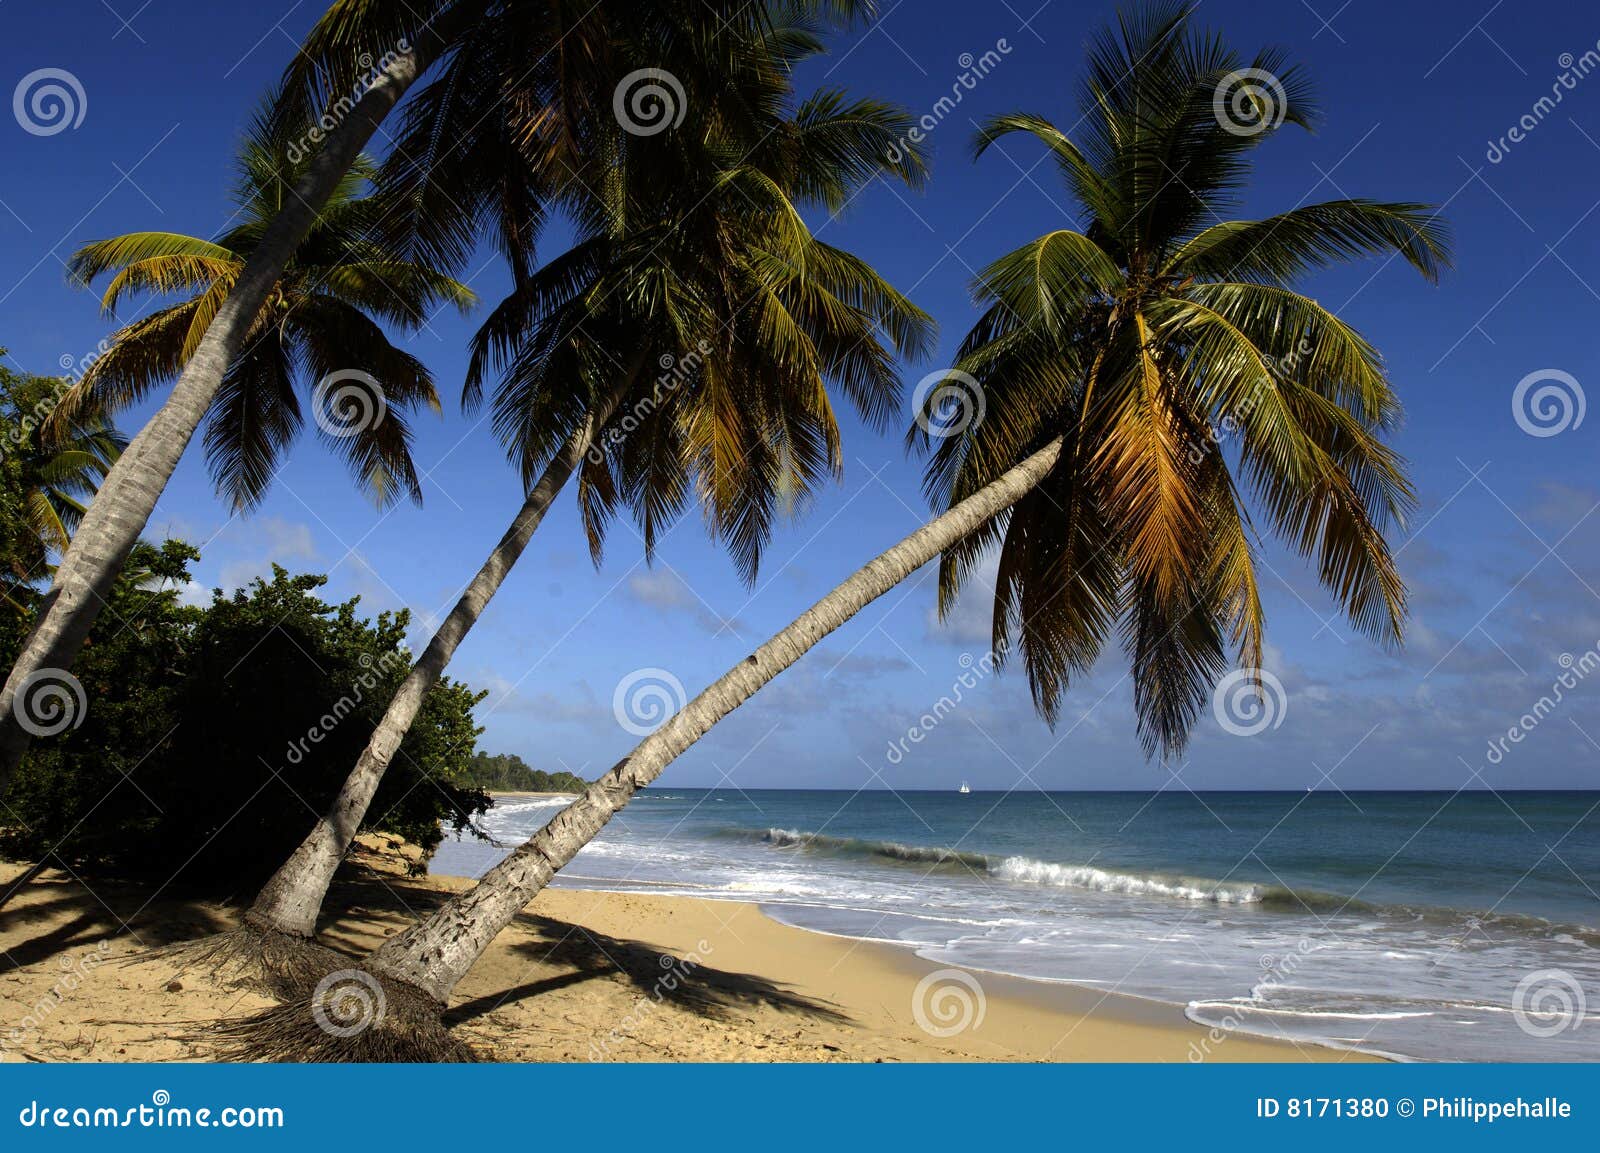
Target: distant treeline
[509,773]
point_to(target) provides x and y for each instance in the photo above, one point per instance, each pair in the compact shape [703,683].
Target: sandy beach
[580,976]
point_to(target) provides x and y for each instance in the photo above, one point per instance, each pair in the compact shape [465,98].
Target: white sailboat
[965,788]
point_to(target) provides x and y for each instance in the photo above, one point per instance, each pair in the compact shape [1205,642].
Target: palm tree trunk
[435,954]
[291,900]
[122,507]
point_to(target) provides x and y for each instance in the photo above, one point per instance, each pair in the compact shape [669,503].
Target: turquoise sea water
[1404,923]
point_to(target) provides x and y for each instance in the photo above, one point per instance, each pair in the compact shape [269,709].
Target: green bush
[214,737]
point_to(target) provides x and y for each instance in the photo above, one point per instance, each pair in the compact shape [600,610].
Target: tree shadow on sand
[58,914]
[588,955]
[688,983]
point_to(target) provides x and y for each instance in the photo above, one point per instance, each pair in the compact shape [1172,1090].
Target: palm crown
[692,255]
[322,318]
[55,472]
[1163,343]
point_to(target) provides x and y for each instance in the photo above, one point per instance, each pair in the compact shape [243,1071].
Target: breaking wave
[1027,871]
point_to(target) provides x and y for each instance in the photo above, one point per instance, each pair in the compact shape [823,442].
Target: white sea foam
[1197,1009]
[1027,870]
[509,808]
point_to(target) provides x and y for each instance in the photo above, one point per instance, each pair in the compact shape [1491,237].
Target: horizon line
[1175,792]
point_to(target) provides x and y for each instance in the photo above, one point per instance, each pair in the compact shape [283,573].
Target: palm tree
[321,324]
[114,521]
[53,470]
[540,70]
[1121,346]
[696,257]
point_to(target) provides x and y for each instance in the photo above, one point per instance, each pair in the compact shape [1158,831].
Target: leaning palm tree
[1122,348]
[321,325]
[696,259]
[320,331]
[535,64]
[129,495]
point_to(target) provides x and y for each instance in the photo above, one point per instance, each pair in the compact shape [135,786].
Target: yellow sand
[579,976]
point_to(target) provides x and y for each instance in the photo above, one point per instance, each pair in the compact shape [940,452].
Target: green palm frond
[1051,280]
[1098,195]
[58,458]
[1315,236]
[323,315]
[155,262]
[1187,379]
[693,253]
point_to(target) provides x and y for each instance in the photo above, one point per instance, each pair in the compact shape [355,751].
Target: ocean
[1421,925]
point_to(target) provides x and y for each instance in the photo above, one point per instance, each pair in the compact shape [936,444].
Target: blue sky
[1502,557]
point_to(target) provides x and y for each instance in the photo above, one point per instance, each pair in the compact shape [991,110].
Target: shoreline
[580,975]
[875,983]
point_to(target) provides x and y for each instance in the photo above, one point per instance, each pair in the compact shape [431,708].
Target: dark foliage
[211,738]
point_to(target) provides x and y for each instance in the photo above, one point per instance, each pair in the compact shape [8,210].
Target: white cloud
[257,545]
[665,589]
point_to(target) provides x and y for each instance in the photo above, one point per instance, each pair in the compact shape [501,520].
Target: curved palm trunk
[291,900]
[435,954]
[126,499]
